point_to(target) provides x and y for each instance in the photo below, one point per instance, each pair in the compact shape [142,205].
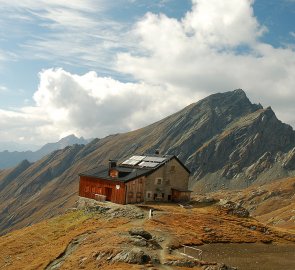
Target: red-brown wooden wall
[89,186]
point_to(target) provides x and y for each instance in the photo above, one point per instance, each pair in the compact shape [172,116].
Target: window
[172,168]
[163,195]
[159,181]
[148,194]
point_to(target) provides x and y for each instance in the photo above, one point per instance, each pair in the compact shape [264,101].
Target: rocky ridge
[224,139]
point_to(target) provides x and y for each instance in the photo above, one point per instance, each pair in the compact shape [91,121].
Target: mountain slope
[224,139]
[272,203]
[109,236]
[256,147]
[10,159]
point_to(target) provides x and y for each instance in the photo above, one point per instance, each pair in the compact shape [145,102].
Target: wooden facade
[113,190]
[180,196]
[135,190]
[130,184]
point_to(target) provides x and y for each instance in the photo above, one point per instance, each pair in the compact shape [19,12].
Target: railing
[192,253]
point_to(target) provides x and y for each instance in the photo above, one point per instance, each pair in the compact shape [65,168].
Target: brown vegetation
[273,203]
[101,235]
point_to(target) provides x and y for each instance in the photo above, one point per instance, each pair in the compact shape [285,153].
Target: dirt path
[164,245]
[162,253]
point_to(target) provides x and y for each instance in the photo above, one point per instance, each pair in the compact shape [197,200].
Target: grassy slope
[35,246]
[273,203]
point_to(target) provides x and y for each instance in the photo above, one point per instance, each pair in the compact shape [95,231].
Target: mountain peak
[224,139]
[68,138]
[236,98]
[239,92]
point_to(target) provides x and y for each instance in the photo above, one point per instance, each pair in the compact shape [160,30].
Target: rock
[139,241]
[154,244]
[134,256]
[204,200]
[263,163]
[155,260]
[129,211]
[99,255]
[141,232]
[253,228]
[181,263]
[289,161]
[82,262]
[234,208]
[219,267]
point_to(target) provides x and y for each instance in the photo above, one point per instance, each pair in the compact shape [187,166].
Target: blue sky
[76,67]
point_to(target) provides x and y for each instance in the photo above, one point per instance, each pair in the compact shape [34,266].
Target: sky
[97,67]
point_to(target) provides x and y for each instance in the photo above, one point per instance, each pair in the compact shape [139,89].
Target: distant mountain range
[11,159]
[15,146]
[225,140]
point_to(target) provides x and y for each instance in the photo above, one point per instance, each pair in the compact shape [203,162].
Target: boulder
[134,256]
[234,208]
[141,232]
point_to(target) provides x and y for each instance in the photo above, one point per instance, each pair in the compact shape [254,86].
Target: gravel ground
[252,256]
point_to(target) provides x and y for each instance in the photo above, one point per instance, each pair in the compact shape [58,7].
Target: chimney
[157,152]
[112,163]
[113,172]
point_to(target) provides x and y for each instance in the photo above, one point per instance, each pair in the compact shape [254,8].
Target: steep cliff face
[246,151]
[224,139]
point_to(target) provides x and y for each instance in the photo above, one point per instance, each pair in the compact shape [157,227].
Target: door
[108,192]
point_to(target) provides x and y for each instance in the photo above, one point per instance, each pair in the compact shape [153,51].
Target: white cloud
[88,106]
[214,48]
[3,88]
[75,32]
[6,56]
[223,23]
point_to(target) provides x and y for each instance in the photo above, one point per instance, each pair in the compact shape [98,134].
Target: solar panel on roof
[139,158]
[134,162]
[130,162]
[126,162]
[148,164]
[154,159]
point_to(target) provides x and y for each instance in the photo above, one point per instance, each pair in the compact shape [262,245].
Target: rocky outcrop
[133,256]
[289,160]
[233,208]
[140,232]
